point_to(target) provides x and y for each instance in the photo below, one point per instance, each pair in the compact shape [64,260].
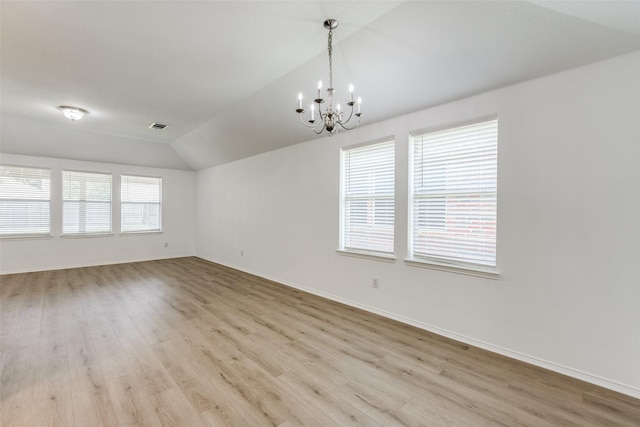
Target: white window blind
[141,203]
[368,205]
[25,201]
[86,202]
[454,195]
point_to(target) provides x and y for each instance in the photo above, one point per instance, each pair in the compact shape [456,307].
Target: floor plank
[188,342]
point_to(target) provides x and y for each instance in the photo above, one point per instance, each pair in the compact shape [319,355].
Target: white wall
[178,223]
[71,140]
[568,234]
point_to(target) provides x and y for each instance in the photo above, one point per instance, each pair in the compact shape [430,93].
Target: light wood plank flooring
[185,342]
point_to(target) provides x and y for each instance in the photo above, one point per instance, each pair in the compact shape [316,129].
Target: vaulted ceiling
[224,75]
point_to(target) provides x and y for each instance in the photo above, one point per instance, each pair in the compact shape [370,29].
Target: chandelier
[331,119]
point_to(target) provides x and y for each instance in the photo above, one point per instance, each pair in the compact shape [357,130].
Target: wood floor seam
[187,342]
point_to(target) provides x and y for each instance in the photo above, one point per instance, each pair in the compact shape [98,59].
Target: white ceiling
[224,75]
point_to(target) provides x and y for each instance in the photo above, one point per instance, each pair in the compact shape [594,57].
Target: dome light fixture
[72,113]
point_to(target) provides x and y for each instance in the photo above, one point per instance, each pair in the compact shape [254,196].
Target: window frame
[123,203]
[441,262]
[26,234]
[64,201]
[344,247]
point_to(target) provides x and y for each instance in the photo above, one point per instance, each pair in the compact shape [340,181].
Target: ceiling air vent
[158,126]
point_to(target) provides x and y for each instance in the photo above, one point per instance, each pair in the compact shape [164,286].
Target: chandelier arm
[342,125]
[318,132]
[312,125]
[350,115]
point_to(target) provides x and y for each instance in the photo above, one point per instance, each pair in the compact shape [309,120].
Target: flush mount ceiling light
[331,119]
[157,126]
[72,113]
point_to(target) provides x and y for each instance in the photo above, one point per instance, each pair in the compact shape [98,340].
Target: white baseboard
[82,265]
[565,370]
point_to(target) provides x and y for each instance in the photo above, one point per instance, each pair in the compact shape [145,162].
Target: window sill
[367,255]
[27,237]
[137,233]
[486,273]
[85,236]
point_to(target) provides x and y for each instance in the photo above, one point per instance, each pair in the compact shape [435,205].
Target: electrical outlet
[375,284]
[166,244]
[241,253]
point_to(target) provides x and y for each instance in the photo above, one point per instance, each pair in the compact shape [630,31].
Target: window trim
[467,269]
[30,236]
[443,264]
[360,252]
[62,203]
[374,256]
[160,203]
[85,235]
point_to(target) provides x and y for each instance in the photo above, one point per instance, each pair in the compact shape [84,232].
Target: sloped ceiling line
[224,75]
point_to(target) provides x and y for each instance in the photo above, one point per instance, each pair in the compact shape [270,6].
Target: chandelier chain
[330,59]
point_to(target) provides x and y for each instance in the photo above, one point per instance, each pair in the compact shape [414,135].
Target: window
[86,202]
[454,195]
[25,201]
[141,203]
[367,202]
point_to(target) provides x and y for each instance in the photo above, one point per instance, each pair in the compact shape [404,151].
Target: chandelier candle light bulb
[332,120]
